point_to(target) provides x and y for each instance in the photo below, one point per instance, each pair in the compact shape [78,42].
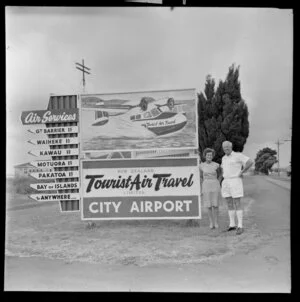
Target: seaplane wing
[115,107]
[112,110]
[112,107]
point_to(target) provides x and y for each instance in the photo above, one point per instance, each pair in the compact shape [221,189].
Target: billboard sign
[55,163]
[139,121]
[55,141]
[55,152]
[49,116]
[53,197]
[54,175]
[55,186]
[160,188]
[54,130]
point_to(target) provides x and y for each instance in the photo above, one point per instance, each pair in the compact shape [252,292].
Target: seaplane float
[161,116]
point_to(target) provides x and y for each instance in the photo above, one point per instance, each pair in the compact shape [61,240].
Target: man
[234,164]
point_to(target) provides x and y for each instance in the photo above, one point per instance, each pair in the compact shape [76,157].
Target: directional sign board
[53,197]
[54,130]
[40,122]
[54,152]
[54,175]
[55,163]
[55,186]
[54,141]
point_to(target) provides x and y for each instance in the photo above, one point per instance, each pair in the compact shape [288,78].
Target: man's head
[227,147]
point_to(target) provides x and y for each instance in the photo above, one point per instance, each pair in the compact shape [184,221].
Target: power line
[84,69]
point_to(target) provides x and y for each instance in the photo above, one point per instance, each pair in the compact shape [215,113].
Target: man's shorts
[232,187]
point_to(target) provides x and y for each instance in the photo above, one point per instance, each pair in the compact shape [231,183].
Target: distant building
[24,170]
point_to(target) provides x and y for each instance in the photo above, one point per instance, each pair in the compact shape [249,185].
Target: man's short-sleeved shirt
[233,163]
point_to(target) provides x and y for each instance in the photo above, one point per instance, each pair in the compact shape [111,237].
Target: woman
[209,173]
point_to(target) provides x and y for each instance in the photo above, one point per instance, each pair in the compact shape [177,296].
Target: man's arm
[248,164]
[201,176]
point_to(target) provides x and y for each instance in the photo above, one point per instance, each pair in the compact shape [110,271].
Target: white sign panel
[154,181]
[55,163]
[54,141]
[55,186]
[141,189]
[54,130]
[53,175]
[53,197]
[54,152]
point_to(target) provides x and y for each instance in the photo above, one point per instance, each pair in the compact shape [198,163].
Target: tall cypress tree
[223,114]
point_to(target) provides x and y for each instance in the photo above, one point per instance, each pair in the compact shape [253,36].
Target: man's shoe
[231,229]
[239,231]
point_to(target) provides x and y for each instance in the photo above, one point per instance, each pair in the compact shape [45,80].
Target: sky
[150,48]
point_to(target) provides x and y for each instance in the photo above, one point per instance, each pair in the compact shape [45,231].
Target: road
[263,269]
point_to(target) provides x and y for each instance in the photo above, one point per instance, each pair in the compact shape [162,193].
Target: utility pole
[278,143]
[289,140]
[84,70]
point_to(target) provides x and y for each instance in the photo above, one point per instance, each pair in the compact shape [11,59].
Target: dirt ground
[48,250]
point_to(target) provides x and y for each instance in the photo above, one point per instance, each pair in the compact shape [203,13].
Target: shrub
[22,185]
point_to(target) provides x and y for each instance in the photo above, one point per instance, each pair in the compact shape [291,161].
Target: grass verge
[46,232]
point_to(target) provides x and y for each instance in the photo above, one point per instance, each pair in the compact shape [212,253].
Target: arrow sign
[54,175]
[55,163]
[55,186]
[54,152]
[54,130]
[53,197]
[54,141]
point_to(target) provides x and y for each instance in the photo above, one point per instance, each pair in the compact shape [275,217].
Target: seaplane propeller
[171,103]
[146,100]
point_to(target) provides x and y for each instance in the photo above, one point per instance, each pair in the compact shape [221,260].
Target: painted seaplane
[161,116]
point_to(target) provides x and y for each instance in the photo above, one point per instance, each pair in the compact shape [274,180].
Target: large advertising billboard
[153,188]
[139,121]
[129,155]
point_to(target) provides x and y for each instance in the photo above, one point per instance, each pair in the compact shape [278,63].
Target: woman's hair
[209,150]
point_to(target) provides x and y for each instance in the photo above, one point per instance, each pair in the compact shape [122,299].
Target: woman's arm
[201,176]
[220,174]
